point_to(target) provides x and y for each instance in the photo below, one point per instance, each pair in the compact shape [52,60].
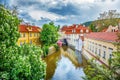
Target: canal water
[62,65]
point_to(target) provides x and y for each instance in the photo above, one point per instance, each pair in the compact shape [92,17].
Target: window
[20,34]
[110,56]
[24,41]
[23,34]
[93,47]
[99,52]
[30,41]
[20,43]
[110,52]
[34,34]
[89,45]
[37,34]
[104,55]
[30,34]
[104,52]
[96,48]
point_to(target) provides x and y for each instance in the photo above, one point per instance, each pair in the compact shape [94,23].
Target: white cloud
[86,9]
[37,14]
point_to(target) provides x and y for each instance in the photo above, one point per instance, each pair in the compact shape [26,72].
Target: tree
[8,37]
[109,15]
[8,27]
[92,27]
[49,34]
[17,62]
[58,27]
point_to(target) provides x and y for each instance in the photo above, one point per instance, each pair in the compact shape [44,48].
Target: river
[62,65]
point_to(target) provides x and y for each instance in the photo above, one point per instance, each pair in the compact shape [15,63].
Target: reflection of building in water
[54,59]
[99,45]
[74,58]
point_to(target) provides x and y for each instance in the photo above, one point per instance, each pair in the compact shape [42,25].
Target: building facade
[29,34]
[111,29]
[100,45]
[72,32]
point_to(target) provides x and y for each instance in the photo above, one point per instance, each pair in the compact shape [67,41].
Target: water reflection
[63,66]
[67,71]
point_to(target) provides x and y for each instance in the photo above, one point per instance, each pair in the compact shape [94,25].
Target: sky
[62,12]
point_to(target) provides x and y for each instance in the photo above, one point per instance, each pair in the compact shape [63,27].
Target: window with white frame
[93,47]
[30,34]
[96,48]
[110,50]
[89,45]
[99,53]
[104,52]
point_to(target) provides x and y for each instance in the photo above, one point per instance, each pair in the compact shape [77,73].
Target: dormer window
[113,30]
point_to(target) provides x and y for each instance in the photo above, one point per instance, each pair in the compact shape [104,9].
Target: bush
[56,47]
[45,50]
[17,63]
[23,63]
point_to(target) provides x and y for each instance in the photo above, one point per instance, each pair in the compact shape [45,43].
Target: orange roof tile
[75,28]
[25,28]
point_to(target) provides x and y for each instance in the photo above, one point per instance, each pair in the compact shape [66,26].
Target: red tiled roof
[75,28]
[103,36]
[25,28]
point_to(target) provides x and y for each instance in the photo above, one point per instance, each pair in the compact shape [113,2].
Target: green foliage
[92,27]
[45,50]
[115,62]
[17,63]
[22,63]
[105,23]
[49,34]
[87,23]
[56,47]
[58,27]
[8,27]
[106,19]
[96,72]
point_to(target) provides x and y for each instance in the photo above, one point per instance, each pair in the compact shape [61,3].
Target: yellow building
[99,45]
[29,34]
